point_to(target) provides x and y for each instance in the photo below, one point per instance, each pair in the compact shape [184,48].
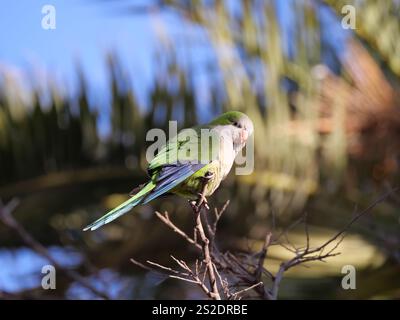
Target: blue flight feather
[171,178]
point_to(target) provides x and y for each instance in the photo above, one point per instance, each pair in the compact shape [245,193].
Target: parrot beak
[244,135]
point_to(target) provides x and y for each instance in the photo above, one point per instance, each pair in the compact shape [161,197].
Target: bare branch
[236,294]
[218,214]
[243,272]
[197,207]
[165,218]
[7,218]
[263,254]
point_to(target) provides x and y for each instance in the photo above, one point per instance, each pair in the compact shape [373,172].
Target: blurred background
[76,103]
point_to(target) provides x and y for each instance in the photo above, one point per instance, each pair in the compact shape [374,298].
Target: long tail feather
[122,208]
[166,180]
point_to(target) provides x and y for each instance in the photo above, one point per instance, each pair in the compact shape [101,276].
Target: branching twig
[197,207]
[242,273]
[165,218]
[237,294]
[7,218]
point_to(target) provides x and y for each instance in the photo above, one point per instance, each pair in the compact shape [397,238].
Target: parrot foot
[208,176]
[202,201]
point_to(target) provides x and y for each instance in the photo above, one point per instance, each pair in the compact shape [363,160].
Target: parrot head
[239,126]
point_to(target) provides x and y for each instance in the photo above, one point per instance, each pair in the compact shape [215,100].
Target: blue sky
[86,30]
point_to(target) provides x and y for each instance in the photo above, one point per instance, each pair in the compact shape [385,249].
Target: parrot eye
[236,124]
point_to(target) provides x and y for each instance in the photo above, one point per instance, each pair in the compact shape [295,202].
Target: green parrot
[190,163]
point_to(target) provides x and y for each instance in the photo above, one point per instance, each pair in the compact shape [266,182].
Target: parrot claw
[208,176]
[203,201]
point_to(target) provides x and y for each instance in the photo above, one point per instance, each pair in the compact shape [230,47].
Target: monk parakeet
[195,160]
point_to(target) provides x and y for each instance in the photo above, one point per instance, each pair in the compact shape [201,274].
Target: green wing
[186,147]
[175,163]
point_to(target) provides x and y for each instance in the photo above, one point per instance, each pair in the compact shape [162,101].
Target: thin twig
[218,214]
[205,244]
[7,218]
[263,254]
[245,270]
[236,294]
[165,218]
